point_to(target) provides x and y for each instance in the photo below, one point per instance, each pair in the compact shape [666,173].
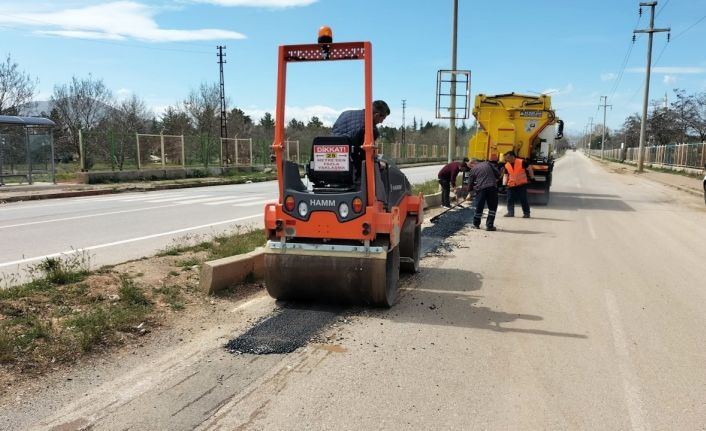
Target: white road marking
[590,228]
[126,241]
[145,198]
[202,200]
[630,388]
[87,216]
[122,196]
[249,204]
[230,201]
[176,198]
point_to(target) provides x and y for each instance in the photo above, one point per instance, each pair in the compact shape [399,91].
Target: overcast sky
[160,50]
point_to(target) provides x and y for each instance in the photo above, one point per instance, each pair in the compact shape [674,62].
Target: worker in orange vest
[517,174]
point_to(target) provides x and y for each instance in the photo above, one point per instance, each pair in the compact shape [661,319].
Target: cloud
[669,79]
[672,70]
[119,20]
[610,76]
[556,91]
[280,4]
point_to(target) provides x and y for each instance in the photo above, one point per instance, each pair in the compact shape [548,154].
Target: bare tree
[698,118]
[127,117]
[203,105]
[16,87]
[663,124]
[81,105]
[130,116]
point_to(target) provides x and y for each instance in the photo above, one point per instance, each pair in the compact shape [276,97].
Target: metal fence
[677,155]
[108,151]
[26,154]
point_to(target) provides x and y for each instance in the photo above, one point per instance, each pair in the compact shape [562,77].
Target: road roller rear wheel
[384,290]
[410,246]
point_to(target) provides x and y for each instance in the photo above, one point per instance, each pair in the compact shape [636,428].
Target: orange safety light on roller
[325,34]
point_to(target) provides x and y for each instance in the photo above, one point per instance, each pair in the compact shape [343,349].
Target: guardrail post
[161,147]
[81,152]
[137,143]
[183,158]
[29,157]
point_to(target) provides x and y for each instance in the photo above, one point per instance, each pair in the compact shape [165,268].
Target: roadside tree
[80,105]
[16,87]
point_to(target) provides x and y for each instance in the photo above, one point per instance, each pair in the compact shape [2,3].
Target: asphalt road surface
[588,316]
[110,229]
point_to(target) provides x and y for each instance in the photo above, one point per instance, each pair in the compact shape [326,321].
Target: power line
[662,8]
[690,27]
[625,60]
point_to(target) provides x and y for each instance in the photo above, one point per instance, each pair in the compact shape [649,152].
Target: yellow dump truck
[524,124]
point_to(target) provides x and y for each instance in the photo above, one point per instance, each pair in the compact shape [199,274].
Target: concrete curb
[217,275]
[220,274]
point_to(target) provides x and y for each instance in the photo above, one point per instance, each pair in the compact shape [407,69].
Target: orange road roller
[345,234]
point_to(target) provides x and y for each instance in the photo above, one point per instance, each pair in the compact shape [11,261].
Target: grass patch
[188,263]
[428,188]
[172,296]
[239,243]
[243,240]
[58,315]
[100,323]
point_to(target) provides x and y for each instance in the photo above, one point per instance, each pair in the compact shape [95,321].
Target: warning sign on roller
[331,158]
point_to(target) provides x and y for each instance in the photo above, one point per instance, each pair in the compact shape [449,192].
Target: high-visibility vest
[516,174]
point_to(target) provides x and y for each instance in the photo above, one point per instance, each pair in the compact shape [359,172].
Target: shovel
[438,216]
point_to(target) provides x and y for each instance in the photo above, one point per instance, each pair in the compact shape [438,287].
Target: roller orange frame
[324,224]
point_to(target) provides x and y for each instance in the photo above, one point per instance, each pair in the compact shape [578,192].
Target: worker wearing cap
[517,174]
[447,176]
[352,124]
[484,178]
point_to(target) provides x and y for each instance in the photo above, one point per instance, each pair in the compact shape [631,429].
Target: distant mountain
[34,109]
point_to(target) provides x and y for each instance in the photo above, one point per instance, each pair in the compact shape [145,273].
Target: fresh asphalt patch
[294,325]
[285,331]
[434,237]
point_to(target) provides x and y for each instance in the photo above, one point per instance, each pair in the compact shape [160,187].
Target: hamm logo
[322,202]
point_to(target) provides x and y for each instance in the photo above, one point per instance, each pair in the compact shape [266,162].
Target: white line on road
[125,241]
[146,198]
[176,198]
[250,204]
[590,228]
[211,199]
[230,201]
[631,389]
[130,196]
[88,216]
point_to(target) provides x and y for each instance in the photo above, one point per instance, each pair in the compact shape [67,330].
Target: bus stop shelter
[26,148]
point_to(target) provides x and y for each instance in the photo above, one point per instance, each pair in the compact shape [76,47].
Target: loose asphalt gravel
[293,326]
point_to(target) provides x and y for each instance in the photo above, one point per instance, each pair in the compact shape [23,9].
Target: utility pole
[404,126]
[452,121]
[604,106]
[590,133]
[224,129]
[650,31]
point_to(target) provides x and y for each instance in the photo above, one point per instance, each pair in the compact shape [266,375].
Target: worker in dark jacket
[352,125]
[447,177]
[483,178]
